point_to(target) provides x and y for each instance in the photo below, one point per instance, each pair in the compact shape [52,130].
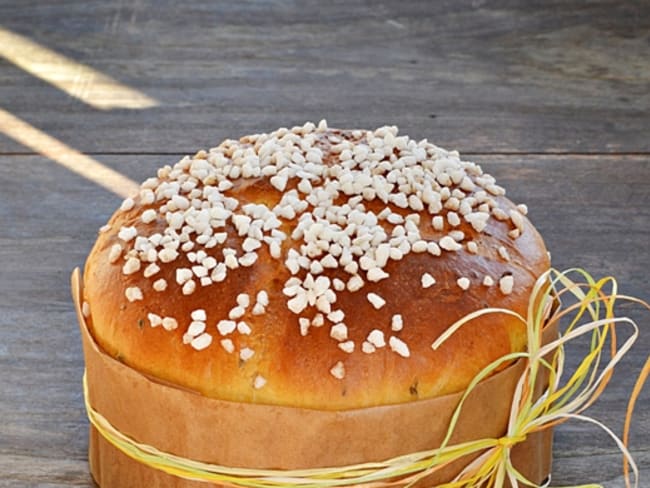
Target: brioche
[314,267]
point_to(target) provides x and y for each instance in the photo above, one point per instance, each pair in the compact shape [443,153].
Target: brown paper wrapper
[225,433]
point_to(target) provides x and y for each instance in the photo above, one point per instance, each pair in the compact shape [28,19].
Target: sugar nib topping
[325,179]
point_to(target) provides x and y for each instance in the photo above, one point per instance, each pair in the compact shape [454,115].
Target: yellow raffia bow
[563,400]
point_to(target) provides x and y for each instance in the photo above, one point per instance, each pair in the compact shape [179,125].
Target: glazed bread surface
[314,267]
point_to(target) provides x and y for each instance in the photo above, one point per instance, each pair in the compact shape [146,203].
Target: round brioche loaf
[314,267]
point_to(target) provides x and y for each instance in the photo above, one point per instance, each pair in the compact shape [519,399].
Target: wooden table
[553,100]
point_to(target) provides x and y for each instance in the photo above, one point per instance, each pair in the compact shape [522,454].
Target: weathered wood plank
[479,76]
[593,212]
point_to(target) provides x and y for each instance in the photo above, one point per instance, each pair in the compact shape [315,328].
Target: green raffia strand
[492,464]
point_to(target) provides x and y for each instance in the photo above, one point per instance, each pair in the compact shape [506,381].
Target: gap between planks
[463,153]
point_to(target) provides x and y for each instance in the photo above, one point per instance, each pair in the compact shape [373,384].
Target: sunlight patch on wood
[76,79]
[70,158]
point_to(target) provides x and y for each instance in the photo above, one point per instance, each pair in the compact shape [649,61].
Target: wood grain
[479,76]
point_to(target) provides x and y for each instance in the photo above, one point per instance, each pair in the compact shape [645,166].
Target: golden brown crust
[289,368]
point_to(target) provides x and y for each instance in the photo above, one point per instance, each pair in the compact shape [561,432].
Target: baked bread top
[314,267]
